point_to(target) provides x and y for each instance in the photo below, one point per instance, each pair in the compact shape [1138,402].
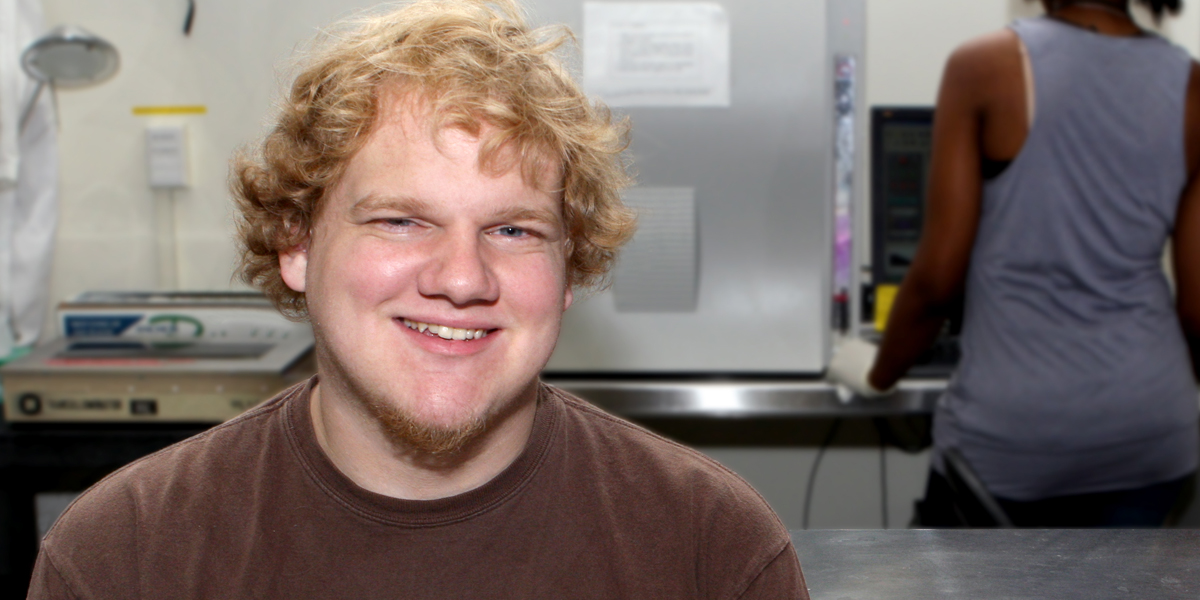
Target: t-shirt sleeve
[747,552]
[91,552]
[780,579]
[47,583]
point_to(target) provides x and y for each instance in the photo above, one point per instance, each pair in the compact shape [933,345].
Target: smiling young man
[435,188]
[435,288]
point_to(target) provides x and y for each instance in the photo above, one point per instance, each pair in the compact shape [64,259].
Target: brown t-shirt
[594,507]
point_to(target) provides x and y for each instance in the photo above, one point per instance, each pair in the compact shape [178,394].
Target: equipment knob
[29,404]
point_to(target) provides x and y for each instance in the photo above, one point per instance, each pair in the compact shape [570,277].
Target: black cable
[812,473]
[191,14]
[887,437]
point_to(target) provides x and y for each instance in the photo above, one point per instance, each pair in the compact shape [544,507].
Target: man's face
[436,290]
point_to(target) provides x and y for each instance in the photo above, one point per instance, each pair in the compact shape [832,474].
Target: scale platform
[122,380]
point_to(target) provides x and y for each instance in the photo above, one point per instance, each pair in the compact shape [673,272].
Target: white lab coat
[28,183]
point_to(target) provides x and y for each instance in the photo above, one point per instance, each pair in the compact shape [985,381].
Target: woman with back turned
[1066,153]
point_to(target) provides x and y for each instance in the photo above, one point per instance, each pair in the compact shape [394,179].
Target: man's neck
[358,447]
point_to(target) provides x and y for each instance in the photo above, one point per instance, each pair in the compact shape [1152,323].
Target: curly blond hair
[474,63]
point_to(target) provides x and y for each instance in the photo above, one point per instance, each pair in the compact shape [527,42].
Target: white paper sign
[656,53]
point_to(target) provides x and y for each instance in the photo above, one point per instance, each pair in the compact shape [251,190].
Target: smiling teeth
[446,333]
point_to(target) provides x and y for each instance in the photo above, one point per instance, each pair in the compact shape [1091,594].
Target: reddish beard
[408,434]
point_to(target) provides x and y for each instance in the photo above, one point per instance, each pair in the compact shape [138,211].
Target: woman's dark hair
[1158,7]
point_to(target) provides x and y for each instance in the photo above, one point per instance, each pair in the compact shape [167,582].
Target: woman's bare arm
[1186,240]
[937,276]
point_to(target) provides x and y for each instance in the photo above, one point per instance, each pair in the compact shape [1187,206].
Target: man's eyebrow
[413,206]
[373,202]
[521,213]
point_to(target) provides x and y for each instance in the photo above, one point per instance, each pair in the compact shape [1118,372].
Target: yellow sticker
[885,296]
[177,109]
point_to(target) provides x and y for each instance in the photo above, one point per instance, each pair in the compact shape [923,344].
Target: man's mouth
[444,332]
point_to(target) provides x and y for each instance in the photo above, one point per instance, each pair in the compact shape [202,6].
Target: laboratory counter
[1009,564]
[748,398]
[99,445]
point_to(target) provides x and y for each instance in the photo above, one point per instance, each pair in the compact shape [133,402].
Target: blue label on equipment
[98,325]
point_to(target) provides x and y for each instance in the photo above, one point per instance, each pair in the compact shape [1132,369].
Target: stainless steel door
[761,173]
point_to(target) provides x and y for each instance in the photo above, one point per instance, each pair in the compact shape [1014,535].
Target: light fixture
[67,56]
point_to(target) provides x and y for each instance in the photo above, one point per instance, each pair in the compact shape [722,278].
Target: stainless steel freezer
[730,272]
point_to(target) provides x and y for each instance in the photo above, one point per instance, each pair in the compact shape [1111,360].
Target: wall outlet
[166,156]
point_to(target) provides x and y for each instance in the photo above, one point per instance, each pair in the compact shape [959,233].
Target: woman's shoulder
[995,49]
[984,65]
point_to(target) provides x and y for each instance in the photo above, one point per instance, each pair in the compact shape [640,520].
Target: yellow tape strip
[143,111]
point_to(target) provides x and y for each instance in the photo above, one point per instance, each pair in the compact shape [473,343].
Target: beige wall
[908,42]
[107,232]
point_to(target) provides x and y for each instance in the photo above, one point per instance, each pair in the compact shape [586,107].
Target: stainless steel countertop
[1057,564]
[747,399]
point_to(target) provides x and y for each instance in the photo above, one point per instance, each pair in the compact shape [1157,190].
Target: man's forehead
[405,113]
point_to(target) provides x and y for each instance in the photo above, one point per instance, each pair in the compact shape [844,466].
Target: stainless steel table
[1058,564]
[747,398]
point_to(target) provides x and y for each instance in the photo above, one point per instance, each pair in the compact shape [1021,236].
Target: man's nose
[459,271]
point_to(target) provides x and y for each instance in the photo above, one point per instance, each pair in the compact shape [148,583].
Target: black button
[143,406]
[29,404]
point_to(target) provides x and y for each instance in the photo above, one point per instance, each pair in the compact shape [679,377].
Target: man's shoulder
[616,433]
[161,501]
[692,505]
[662,468]
[181,473]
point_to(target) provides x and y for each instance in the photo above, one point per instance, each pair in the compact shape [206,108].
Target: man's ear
[293,266]
[568,298]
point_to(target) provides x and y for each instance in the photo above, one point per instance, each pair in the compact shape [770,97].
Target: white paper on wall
[656,53]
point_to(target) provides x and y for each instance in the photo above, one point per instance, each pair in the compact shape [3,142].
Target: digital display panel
[900,150]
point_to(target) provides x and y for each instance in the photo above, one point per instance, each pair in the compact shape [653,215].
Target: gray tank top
[1075,376]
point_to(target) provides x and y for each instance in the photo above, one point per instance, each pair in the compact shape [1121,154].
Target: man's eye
[399,222]
[510,231]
